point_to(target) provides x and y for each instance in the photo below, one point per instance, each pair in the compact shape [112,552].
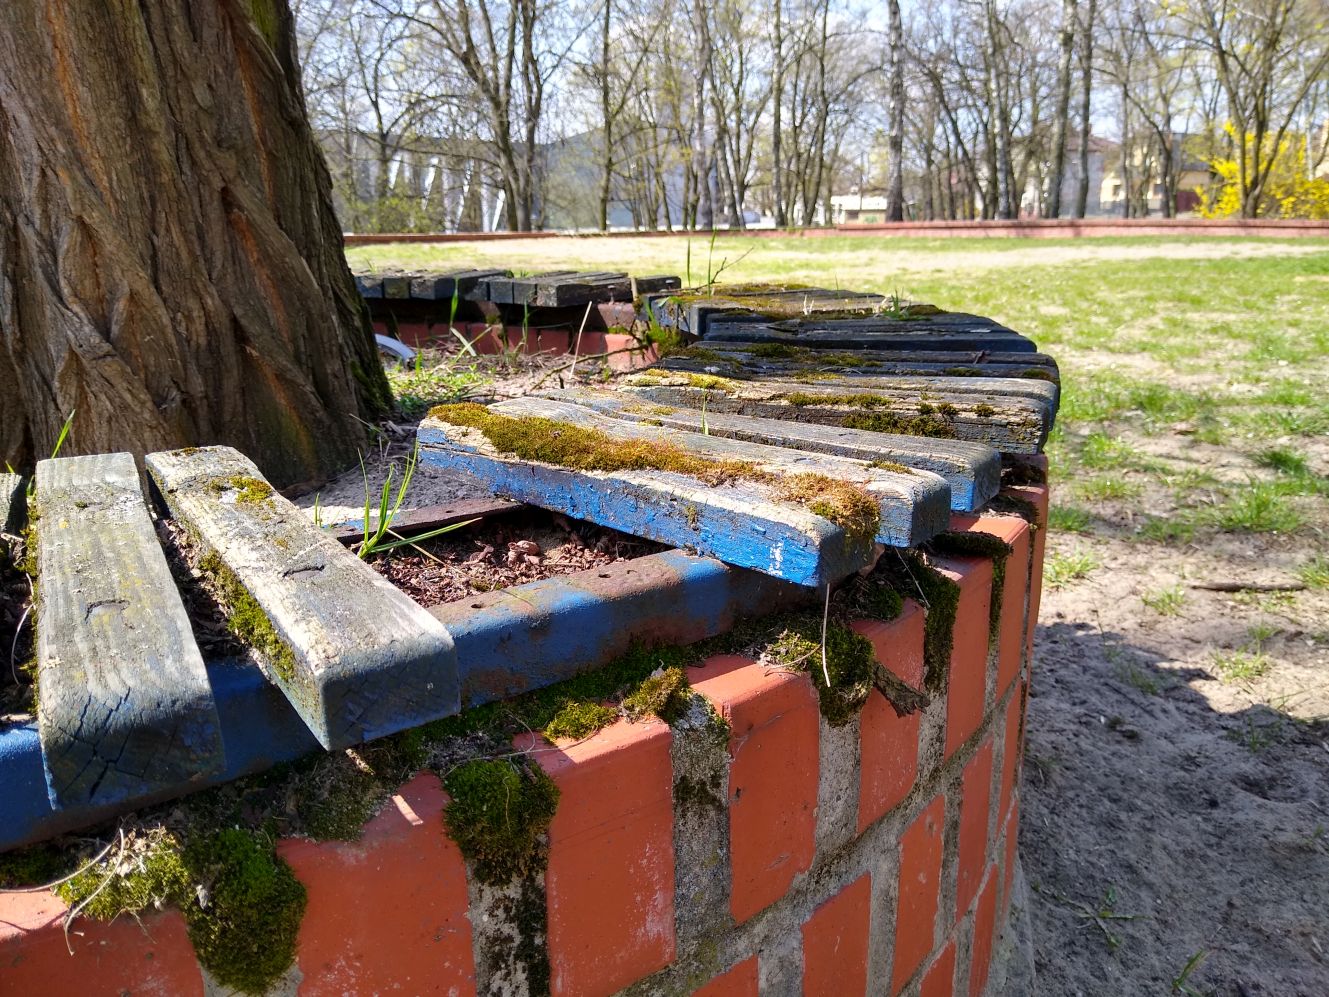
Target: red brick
[610,880]
[1010,638]
[967,684]
[387,911]
[975,806]
[920,879]
[1038,495]
[888,743]
[740,981]
[773,744]
[1010,760]
[985,920]
[122,957]
[1010,856]
[555,341]
[939,980]
[898,643]
[835,943]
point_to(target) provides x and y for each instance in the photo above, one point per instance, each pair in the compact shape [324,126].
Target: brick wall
[875,858]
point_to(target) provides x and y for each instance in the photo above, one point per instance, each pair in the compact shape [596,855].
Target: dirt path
[1162,788]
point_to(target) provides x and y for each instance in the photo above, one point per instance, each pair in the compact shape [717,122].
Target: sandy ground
[1170,814]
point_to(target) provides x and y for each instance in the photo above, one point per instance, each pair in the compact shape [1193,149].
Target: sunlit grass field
[1195,372]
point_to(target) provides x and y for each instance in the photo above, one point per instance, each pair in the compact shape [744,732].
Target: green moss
[889,422]
[704,355]
[964,372]
[577,720]
[779,351]
[699,794]
[910,574]
[499,811]
[245,618]
[33,866]
[973,544]
[249,490]
[551,442]
[1039,374]
[264,14]
[850,663]
[664,694]
[948,410]
[241,901]
[984,410]
[707,382]
[890,465]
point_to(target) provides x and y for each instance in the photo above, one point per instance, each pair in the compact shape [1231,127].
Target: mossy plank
[126,712]
[510,290]
[972,470]
[364,660]
[744,521]
[1007,424]
[13,503]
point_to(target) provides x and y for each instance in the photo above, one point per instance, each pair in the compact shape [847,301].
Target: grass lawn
[1176,780]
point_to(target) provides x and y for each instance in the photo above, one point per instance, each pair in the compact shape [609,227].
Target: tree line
[664,114]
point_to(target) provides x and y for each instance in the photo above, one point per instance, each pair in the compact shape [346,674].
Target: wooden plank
[972,470]
[865,379]
[397,286]
[511,290]
[355,656]
[741,521]
[655,283]
[572,292]
[977,363]
[1008,424]
[863,336]
[442,286]
[125,710]
[369,285]
[13,503]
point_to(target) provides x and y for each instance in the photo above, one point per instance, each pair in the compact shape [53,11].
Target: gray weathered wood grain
[1008,424]
[851,380]
[932,363]
[13,503]
[125,711]
[742,522]
[868,335]
[972,470]
[442,286]
[365,660]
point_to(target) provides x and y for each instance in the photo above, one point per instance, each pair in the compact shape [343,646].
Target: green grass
[1063,569]
[1315,572]
[1070,518]
[1165,602]
[1243,665]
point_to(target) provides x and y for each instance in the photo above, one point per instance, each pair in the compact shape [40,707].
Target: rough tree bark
[895,183]
[1068,18]
[170,264]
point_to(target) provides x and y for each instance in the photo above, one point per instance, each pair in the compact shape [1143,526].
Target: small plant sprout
[1179,984]
[389,505]
[1063,569]
[1165,602]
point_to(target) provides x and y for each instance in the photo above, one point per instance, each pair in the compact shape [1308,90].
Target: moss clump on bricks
[850,663]
[32,866]
[664,693]
[910,573]
[577,720]
[248,490]
[974,544]
[1021,472]
[499,812]
[245,617]
[242,903]
[549,441]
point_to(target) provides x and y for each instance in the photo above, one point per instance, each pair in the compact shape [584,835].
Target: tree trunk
[170,265]
[1068,19]
[895,183]
[1086,91]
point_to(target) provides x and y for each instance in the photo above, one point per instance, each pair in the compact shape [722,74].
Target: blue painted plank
[972,470]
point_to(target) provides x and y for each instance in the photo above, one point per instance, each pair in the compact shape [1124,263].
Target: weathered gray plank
[514,290]
[125,711]
[742,521]
[972,470]
[442,286]
[877,335]
[357,658]
[1008,424]
[977,363]
[397,286]
[941,385]
[13,503]
[369,285]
